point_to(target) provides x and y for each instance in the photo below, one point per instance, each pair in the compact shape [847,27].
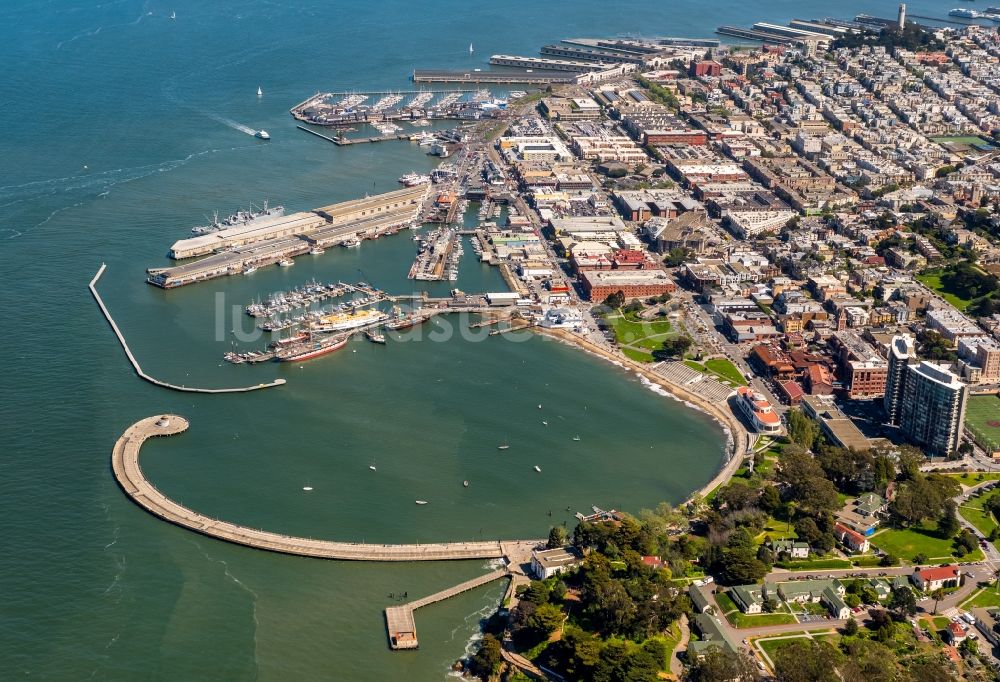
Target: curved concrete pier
[125,464]
[138,368]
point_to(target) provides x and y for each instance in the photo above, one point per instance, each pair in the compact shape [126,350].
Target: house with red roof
[852,539]
[930,579]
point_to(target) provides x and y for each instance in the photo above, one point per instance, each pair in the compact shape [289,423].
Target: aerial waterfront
[124,128]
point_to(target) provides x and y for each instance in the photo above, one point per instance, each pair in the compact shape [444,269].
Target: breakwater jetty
[125,465]
[138,368]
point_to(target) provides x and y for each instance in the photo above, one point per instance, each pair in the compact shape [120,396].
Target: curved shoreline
[738,435]
[125,465]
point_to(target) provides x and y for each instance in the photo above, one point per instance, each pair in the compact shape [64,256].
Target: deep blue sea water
[121,129]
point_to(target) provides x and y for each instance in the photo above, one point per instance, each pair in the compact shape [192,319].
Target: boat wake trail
[228,122]
[91,185]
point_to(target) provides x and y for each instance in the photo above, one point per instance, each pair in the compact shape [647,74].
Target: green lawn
[973,512]
[777,530]
[726,604]
[771,646]
[906,543]
[637,355]
[983,598]
[815,564]
[972,479]
[725,369]
[741,620]
[932,280]
[670,639]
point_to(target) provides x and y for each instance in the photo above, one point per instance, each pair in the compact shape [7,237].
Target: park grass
[725,369]
[866,561]
[960,139]
[637,355]
[983,598]
[973,512]
[974,478]
[696,366]
[770,646]
[815,564]
[777,530]
[980,411]
[741,620]
[908,542]
[932,280]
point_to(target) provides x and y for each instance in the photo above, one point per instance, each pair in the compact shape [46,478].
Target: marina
[438,255]
[387,109]
[303,296]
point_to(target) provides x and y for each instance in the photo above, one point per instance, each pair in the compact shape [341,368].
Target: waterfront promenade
[125,464]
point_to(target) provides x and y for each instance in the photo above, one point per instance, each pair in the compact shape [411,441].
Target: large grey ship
[240,217]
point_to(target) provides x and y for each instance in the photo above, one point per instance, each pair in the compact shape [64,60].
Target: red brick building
[599,284]
[705,68]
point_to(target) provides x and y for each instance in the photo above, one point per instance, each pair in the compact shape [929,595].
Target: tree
[807,661]
[486,659]
[937,595]
[801,429]
[615,300]
[677,256]
[674,346]
[851,627]
[770,499]
[546,619]
[903,602]
[717,665]
[948,524]
[557,537]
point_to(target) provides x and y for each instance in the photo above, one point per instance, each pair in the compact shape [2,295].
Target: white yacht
[262,135]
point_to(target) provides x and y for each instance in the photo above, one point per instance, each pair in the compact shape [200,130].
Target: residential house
[930,579]
[852,539]
[796,550]
[748,598]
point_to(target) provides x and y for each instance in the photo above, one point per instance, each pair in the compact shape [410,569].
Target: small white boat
[352,243]
[173,15]
[538,469]
[421,501]
[539,406]
[372,467]
[249,270]
[503,446]
[307,488]
[286,262]
[544,423]
[260,93]
[576,437]
[465,484]
[262,135]
[317,251]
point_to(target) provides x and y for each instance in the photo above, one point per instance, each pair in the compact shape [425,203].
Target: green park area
[974,512]
[975,478]
[932,280]
[982,419]
[721,368]
[907,543]
[984,598]
[636,337]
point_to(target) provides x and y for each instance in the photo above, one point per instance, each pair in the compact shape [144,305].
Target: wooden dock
[400,622]
[342,141]
[138,368]
[125,465]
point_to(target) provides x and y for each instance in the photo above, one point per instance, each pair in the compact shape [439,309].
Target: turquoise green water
[116,142]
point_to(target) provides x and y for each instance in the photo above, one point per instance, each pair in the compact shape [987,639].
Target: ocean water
[122,129]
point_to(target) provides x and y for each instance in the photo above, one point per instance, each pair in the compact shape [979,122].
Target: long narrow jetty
[125,464]
[138,368]
[399,620]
